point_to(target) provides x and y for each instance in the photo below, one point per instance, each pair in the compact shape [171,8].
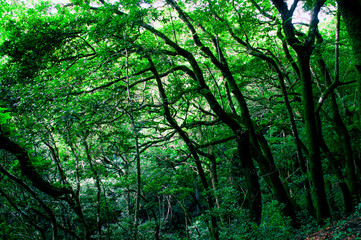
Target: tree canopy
[178,119]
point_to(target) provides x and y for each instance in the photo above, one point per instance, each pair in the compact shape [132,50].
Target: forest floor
[349,228]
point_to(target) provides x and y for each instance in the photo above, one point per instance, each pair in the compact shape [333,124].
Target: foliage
[174,120]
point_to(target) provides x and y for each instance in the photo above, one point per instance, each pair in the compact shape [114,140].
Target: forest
[178,119]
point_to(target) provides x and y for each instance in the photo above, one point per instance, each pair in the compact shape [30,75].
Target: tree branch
[29,170]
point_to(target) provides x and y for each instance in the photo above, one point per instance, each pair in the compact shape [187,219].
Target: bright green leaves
[88,75]
[4,116]
[6,126]
[30,45]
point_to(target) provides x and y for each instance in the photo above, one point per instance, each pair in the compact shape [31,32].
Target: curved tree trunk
[342,133]
[210,199]
[304,50]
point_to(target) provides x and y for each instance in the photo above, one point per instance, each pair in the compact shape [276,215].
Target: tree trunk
[271,173]
[210,199]
[301,160]
[251,177]
[318,185]
[341,131]
[304,49]
[137,153]
[350,12]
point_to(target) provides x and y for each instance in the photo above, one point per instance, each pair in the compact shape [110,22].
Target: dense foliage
[177,119]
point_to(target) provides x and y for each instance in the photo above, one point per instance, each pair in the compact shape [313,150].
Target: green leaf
[4,116]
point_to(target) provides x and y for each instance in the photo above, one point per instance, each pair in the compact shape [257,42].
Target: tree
[176,119]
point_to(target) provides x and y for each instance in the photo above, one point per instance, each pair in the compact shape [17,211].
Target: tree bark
[210,199]
[254,197]
[318,187]
[350,12]
[29,170]
[304,51]
[341,131]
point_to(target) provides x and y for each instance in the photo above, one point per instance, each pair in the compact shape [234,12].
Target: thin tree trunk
[210,200]
[97,184]
[137,153]
[346,194]
[338,124]
[249,170]
[35,196]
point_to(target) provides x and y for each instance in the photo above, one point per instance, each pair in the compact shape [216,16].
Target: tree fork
[210,199]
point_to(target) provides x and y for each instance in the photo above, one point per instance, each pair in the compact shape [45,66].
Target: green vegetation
[178,119]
